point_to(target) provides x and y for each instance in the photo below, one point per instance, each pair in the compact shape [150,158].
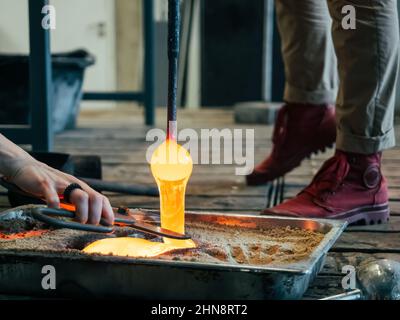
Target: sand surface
[216,243]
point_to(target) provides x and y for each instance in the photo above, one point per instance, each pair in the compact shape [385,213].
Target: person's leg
[306,124]
[350,185]
[307,51]
[368,66]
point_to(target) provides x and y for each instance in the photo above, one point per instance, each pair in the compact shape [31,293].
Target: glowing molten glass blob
[171,166]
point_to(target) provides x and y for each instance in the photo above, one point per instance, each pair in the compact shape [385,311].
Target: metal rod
[282,191]
[268,49]
[351,295]
[40,78]
[269,193]
[133,189]
[186,33]
[149,72]
[174,21]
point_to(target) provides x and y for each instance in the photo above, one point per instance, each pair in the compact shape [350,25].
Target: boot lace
[330,177]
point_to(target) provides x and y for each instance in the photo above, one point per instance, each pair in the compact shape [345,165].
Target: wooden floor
[119,137]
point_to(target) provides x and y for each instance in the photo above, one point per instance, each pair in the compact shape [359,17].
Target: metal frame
[147,95]
[269,21]
[273,74]
[39,132]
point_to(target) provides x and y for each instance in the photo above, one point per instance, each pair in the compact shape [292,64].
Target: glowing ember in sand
[171,166]
[22,235]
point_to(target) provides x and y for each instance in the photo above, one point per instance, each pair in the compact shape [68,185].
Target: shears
[124,217]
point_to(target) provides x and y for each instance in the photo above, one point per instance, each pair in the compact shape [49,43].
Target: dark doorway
[232,51]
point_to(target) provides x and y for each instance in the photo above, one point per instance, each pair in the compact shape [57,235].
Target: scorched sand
[216,243]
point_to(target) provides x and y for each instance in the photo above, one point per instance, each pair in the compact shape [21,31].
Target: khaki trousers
[357,68]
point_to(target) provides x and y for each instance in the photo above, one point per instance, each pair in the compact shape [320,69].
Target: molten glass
[131,247]
[171,166]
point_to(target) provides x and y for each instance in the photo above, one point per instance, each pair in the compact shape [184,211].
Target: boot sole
[367,215]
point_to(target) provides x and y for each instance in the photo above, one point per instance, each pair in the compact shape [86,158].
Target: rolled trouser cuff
[318,97]
[364,145]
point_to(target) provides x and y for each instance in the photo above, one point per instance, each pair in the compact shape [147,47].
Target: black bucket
[68,73]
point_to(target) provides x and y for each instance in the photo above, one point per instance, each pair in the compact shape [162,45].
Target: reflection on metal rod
[174,22]
[351,295]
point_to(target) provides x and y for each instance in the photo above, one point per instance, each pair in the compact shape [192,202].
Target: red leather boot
[300,130]
[348,186]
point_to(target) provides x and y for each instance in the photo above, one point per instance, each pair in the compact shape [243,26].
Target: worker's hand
[48,183]
[45,182]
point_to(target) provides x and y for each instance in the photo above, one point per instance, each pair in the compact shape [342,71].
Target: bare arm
[38,178]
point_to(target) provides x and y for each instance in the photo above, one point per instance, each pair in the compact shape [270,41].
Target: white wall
[77,26]
[14,26]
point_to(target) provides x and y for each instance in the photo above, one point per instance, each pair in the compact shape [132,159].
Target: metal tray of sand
[237,257]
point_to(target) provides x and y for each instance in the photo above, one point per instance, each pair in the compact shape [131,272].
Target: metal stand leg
[40,79]
[148,6]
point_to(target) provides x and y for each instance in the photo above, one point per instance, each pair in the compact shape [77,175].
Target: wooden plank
[395,207]
[122,172]
[197,202]
[392,227]
[299,176]
[291,192]
[368,242]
